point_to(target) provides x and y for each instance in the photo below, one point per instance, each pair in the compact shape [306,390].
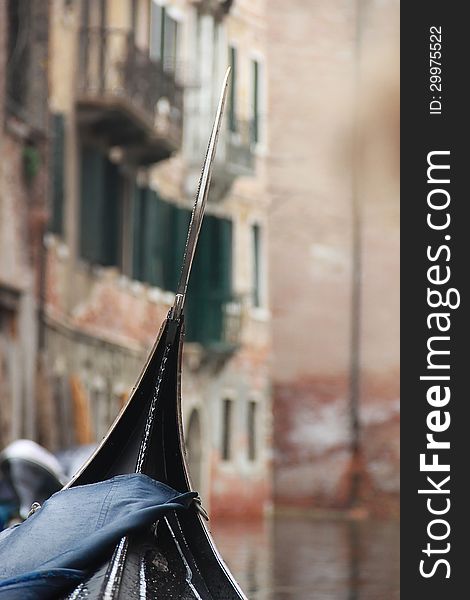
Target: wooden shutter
[151,219]
[138,218]
[211,282]
[196,302]
[56,223]
[111,217]
[220,291]
[100,217]
[91,205]
[161,235]
[174,251]
[226,234]
[153,246]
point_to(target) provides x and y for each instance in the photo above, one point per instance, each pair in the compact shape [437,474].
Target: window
[58,148]
[94,13]
[227,417]
[216,57]
[251,429]
[163,37]
[232,108]
[159,237]
[255,101]
[194,447]
[148,220]
[100,209]
[133,9]
[19,55]
[256,237]
[210,286]
[26,50]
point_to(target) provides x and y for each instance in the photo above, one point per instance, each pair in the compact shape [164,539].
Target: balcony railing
[120,84]
[239,147]
[235,157]
[214,323]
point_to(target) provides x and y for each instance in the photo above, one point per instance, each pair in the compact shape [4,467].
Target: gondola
[147,438]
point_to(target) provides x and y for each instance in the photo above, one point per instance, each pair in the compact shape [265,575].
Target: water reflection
[300,559]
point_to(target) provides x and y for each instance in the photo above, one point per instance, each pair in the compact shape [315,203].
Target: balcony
[218,8]
[126,98]
[234,158]
[239,155]
[214,324]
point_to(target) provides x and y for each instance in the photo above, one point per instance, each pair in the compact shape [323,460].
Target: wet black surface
[157,564]
[300,559]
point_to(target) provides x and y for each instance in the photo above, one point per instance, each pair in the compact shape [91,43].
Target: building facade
[333,176]
[24,173]
[105,111]
[133,91]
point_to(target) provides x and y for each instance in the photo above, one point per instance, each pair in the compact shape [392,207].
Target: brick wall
[313,60]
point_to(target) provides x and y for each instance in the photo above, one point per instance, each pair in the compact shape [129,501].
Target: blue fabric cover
[75,530]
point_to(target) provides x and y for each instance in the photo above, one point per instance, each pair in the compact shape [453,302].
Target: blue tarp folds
[75,530]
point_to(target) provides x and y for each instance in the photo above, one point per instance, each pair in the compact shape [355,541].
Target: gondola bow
[177,557]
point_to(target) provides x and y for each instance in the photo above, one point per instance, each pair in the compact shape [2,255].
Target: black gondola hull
[177,558]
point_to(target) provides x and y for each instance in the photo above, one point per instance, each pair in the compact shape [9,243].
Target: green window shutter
[56,223]
[220,290]
[138,233]
[176,242]
[111,216]
[161,236]
[210,286]
[226,234]
[151,220]
[153,247]
[91,205]
[255,100]
[232,109]
[100,217]
[196,301]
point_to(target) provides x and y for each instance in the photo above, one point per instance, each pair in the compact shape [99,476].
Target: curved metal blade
[199,205]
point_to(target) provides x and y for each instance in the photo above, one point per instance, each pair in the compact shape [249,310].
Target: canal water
[301,559]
